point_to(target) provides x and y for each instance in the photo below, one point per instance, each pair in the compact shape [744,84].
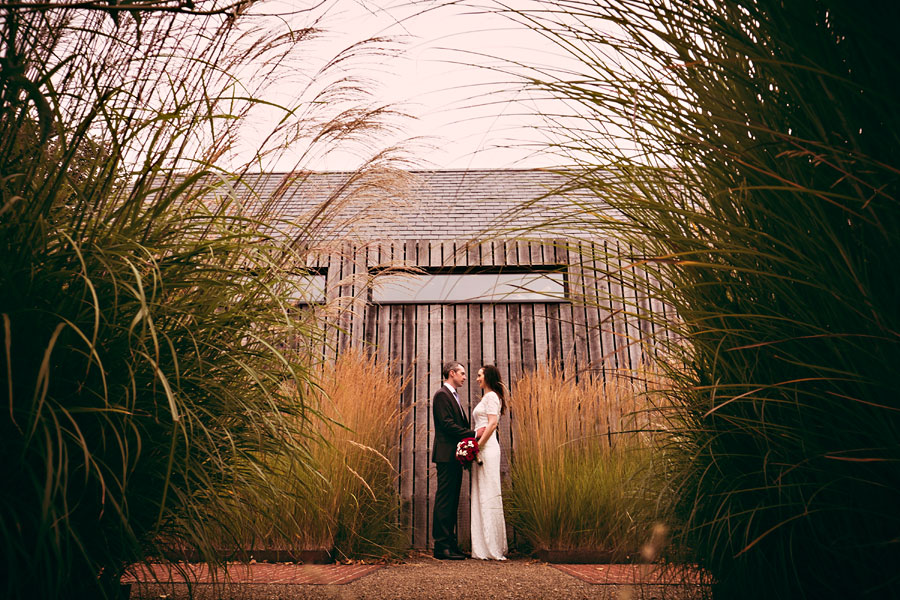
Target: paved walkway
[256,573]
[418,577]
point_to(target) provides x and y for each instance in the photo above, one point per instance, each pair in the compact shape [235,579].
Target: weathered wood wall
[415,339]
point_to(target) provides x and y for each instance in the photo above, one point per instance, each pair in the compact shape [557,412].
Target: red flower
[467,452]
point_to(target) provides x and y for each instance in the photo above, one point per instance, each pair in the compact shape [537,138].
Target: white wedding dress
[488,524]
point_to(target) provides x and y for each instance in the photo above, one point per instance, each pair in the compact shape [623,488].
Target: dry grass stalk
[350,492]
[551,408]
[583,474]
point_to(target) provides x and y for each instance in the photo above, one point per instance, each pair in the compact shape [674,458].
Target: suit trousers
[446,505]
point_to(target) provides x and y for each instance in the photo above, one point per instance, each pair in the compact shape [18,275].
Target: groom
[451,426]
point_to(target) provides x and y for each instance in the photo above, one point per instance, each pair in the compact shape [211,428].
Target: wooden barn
[430,266]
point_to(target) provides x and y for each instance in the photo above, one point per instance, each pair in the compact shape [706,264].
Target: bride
[488,525]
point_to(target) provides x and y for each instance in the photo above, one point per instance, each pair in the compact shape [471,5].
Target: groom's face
[458,377]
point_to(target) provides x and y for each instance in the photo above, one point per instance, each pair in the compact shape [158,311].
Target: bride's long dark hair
[495,384]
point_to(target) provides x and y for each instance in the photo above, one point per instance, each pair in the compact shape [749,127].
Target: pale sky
[464,112]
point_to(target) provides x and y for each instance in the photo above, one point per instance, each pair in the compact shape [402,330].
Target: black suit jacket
[450,426]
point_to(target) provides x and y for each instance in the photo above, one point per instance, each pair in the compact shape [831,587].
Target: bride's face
[480,378]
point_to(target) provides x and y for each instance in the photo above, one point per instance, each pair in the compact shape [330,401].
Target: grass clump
[746,154]
[142,308]
[344,486]
[582,477]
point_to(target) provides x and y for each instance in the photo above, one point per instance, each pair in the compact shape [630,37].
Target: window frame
[431,272]
[314,273]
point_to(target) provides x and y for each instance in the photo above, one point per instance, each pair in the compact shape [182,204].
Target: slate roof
[395,204]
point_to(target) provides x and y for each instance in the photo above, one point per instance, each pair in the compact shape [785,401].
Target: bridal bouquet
[467,452]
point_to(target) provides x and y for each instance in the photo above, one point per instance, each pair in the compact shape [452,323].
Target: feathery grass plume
[143,310]
[746,152]
[584,474]
[349,493]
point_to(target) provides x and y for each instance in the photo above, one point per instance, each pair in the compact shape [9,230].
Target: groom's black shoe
[458,554]
[447,554]
[462,552]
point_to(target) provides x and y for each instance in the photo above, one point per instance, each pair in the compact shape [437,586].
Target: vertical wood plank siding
[414,340]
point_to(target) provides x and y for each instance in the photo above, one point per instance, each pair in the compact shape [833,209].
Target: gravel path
[429,579]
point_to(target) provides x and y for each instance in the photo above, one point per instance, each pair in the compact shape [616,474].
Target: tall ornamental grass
[142,307]
[748,152]
[584,475]
[344,493]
